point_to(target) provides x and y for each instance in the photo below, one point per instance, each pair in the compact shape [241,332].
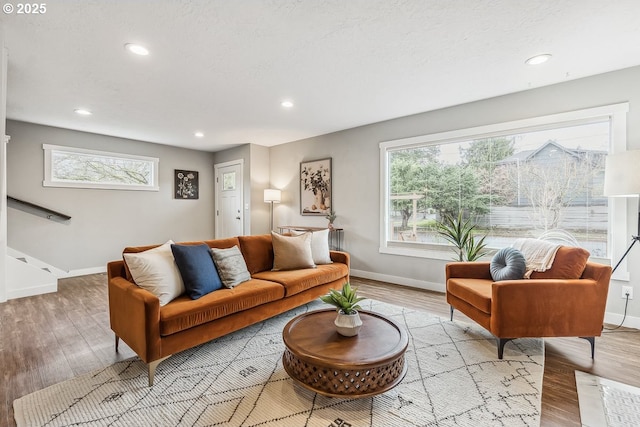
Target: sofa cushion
[156,271]
[257,252]
[569,263]
[296,281]
[184,313]
[508,264]
[476,292]
[319,246]
[196,267]
[292,252]
[231,266]
[226,243]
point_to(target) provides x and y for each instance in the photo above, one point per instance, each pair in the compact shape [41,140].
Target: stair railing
[37,210]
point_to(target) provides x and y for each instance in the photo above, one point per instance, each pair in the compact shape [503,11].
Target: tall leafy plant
[459,232]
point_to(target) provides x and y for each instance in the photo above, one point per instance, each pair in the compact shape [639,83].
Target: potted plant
[331,216]
[346,301]
[460,233]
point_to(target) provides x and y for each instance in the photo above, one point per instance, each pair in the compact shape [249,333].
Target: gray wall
[103,221]
[356,175]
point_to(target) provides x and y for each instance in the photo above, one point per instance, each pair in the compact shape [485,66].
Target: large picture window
[82,168]
[531,178]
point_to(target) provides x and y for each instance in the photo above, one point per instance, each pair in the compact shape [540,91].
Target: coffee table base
[356,382]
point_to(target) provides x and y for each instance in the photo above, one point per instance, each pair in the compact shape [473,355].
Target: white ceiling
[223,66]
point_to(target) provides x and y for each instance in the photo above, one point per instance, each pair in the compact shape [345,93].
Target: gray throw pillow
[508,264]
[231,266]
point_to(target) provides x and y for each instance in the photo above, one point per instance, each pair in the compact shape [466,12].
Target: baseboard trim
[615,319]
[85,271]
[413,283]
[29,292]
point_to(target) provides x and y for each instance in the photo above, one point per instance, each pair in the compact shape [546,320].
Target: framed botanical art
[315,187]
[186,184]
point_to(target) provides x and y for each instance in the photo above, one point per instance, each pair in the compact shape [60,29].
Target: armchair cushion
[569,263]
[508,264]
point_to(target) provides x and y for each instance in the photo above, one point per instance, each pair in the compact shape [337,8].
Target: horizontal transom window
[83,168]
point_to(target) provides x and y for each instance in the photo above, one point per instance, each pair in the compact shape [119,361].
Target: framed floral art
[315,187]
[186,184]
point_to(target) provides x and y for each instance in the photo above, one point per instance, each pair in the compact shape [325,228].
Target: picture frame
[315,187]
[186,184]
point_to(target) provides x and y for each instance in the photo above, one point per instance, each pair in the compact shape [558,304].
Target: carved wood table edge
[325,362]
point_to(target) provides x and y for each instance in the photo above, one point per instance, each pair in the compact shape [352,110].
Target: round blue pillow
[508,264]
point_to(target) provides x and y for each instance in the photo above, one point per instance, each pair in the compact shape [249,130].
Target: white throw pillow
[292,252]
[156,271]
[319,246]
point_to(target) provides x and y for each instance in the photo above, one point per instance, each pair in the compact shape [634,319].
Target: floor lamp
[271,196]
[622,179]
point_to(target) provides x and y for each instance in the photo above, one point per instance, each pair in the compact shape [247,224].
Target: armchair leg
[592,341]
[501,343]
[117,342]
[451,313]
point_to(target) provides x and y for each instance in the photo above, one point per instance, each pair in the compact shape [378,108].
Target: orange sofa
[156,332]
[567,300]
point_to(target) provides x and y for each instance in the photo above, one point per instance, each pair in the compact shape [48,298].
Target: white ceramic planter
[348,325]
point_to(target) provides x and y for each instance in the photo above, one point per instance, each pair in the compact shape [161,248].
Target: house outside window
[83,168]
[536,178]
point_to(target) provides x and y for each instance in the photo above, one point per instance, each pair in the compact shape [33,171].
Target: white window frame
[616,113]
[49,181]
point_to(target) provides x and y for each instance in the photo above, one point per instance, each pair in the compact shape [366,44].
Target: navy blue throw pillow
[508,264]
[197,269]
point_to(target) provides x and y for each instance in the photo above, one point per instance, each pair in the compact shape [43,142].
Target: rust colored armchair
[567,300]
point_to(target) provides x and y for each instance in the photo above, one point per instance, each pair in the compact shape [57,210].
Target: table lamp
[271,196]
[622,179]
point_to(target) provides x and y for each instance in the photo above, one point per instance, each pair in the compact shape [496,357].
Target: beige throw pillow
[156,271]
[319,246]
[292,252]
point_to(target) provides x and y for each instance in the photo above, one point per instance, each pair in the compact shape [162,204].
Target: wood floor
[50,338]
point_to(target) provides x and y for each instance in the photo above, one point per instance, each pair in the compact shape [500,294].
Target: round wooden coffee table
[322,360]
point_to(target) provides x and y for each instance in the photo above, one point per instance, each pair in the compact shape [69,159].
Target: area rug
[454,378]
[607,403]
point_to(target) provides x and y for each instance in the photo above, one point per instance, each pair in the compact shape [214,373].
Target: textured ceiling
[223,67]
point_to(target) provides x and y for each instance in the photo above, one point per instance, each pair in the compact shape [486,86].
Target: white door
[229,191]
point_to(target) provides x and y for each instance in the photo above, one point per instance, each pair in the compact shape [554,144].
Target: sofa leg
[592,341]
[117,342]
[451,313]
[501,343]
[151,367]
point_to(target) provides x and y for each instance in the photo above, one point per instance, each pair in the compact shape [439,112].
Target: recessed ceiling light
[287,104]
[82,112]
[137,49]
[538,59]
[198,134]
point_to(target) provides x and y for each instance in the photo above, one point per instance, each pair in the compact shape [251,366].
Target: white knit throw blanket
[538,254]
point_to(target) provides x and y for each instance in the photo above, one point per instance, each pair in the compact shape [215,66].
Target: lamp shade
[271,195]
[622,174]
